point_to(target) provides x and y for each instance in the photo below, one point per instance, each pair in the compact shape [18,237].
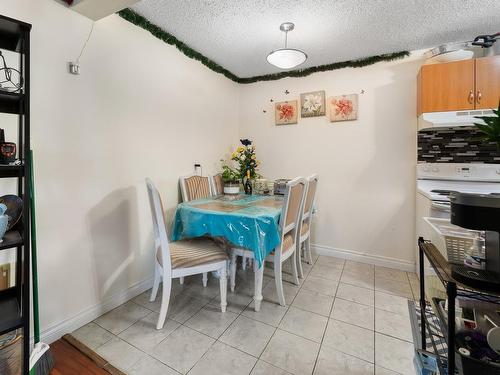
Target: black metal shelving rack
[435,343]
[442,337]
[15,301]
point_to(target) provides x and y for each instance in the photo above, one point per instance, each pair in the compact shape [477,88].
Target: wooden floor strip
[72,357]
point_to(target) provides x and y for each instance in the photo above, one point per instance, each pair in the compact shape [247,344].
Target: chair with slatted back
[217,184]
[305,221]
[195,187]
[181,258]
[289,224]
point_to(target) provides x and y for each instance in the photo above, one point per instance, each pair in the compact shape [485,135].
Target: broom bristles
[44,361]
[44,365]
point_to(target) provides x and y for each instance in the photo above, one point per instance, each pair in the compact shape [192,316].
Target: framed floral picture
[343,107]
[285,113]
[312,104]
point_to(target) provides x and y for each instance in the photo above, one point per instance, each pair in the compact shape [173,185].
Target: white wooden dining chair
[194,186]
[216,184]
[305,224]
[181,258]
[288,225]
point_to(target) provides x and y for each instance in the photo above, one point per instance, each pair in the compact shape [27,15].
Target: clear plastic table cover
[251,222]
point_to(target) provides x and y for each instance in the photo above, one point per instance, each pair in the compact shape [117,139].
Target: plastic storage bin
[457,239]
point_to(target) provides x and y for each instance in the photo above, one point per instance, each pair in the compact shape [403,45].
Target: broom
[41,360]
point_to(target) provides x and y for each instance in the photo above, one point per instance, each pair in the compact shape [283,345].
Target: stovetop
[440,190]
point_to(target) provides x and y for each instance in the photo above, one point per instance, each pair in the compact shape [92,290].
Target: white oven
[434,183]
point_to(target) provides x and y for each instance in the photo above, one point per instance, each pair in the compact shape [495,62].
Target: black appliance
[7,150]
[479,212]
[280,186]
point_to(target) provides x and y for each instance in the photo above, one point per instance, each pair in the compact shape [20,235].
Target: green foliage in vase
[490,127]
[246,158]
[229,174]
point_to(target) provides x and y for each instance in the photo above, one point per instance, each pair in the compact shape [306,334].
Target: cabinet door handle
[479,97]
[471,97]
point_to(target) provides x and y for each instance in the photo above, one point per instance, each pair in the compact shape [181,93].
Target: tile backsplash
[455,145]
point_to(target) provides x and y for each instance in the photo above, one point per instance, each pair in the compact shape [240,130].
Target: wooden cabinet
[487,82]
[459,85]
[447,87]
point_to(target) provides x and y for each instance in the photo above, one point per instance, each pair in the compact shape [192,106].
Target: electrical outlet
[74,68]
[197,168]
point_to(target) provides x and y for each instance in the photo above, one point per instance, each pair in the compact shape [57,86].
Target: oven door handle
[441,206]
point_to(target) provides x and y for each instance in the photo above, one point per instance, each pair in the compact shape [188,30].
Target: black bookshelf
[15,301]
[12,34]
[11,102]
[11,170]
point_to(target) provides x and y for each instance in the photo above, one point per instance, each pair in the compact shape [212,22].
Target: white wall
[366,191]
[140,108]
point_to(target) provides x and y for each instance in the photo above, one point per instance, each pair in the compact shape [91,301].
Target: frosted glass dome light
[286,58]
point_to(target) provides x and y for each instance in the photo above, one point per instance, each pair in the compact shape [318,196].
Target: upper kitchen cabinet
[487,82]
[459,85]
[446,87]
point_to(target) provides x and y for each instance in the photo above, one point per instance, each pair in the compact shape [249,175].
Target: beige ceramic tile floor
[345,318]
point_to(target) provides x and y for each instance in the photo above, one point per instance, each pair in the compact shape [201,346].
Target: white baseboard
[56,331]
[357,256]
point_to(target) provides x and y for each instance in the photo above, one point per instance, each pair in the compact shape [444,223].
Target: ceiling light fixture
[286,58]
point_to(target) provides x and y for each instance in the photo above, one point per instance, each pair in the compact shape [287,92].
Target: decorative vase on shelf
[4,221]
[231,187]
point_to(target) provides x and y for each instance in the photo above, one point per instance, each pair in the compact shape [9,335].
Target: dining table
[246,221]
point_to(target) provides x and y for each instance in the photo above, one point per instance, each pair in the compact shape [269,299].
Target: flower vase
[232,188]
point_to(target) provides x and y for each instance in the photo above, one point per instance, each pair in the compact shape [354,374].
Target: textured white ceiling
[238,34]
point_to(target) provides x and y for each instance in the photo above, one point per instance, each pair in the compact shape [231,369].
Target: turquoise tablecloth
[251,222]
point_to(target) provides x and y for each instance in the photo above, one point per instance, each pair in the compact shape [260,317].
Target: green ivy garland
[323,68]
[168,38]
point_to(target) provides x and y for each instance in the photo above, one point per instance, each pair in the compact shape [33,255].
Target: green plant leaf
[490,127]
